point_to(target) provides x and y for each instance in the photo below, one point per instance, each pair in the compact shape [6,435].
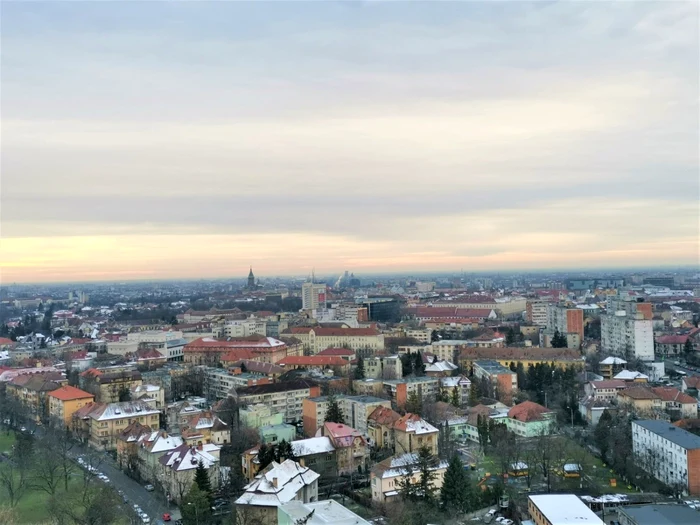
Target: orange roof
[384,416]
[528,411]
[313,360]
[68,393]
[6,341]
[337,351]
[350,332]
[91,372]
[673,394]
[238,354]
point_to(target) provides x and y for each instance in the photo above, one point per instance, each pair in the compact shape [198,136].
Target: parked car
[149,487]
[166,517]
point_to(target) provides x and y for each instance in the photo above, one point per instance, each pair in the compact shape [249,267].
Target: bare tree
[549,453]
[15,480]
[47,472]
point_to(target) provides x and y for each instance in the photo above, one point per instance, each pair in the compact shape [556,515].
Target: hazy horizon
[178,140]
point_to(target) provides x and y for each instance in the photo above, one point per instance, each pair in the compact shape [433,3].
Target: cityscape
[350,263]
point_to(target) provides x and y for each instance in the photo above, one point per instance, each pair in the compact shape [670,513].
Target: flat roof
[672,514]
[565,509]
[675,435]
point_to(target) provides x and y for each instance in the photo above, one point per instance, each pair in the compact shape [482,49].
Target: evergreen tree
[360,369]
[455,398]
[195,507]
[454,494]
[510,336]
[333,413]
[688,349]
[442,395]
[473,394]
[407,364]
[201,479]
[601,434]
[284,451]
[426,468]
[559,340]
[414,405]
[418,365]
[266,455]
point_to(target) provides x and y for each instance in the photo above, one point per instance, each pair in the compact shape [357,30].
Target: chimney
[274,482]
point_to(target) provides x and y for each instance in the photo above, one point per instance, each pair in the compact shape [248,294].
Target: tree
[201,479]
[418,365]
[284,451]
[559,340]
[510,336]
[688,350]
[360,369]
[195,507]
[424,466]
[333,412]
[473,394]
[407,364]
[442,395]
[414,405]
[455,397]
[14,480]
[266,455]
[454,494]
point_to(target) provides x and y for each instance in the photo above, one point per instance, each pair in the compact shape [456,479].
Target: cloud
[487,134]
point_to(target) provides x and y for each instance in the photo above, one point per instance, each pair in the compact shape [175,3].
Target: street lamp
[196,513]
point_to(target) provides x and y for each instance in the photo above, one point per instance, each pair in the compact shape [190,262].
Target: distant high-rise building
[313,296]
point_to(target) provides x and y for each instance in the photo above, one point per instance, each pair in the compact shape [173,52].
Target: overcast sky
[192,139]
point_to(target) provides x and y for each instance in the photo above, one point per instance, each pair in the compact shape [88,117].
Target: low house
[150,448]
[670,345]
[691,385]
[641,400]
[150,394]
[317,453]
[677,403]
[205,428]
[440,369]
[256,416]
[178,466]
[411,432]
[529,419]
[276,484]
[592,408]
[463,386]
[351,447]
[274,434]
[380,427]
[631,376]
[611,366]
[605,390]
[387,476]
[127,445]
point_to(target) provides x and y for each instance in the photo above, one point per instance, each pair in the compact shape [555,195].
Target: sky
[193,139]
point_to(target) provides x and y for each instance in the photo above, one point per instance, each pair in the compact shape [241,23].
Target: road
[152,503]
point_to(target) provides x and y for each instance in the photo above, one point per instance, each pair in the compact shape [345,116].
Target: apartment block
[536,311]
[383,367]
[669,453]
[560,509]
[504,381]
[425,388]
[286,397]
[355,409]
[630,337]
[567,321]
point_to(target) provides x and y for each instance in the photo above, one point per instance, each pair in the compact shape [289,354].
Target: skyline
[183,141]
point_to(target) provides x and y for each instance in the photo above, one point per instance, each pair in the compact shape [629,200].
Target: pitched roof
[383,416]
[528,411]
[311,446]
[185,457]
[673,394]
[414,423]
[256,342]
[630,375]
[37,382]
[344,332]
[278,483]
[612,383]
[256,366]
[282,386]
[692,382]
[313,360]
[341,435]
[68,393]
[515,354]
[638,392]
[672,339]
[133,432]
[337,351]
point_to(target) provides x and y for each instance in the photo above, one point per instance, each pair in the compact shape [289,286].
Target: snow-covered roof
[277,484]
[161,442]
[420,426]
[628,375]
[315,445]
[613,361]
[399,465]
[441,366]
[185,457]
[565,509]
[321,513]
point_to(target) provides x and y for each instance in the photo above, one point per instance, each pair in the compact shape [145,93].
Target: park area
[584,472]
[31,501]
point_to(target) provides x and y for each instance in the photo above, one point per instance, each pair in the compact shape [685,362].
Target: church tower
[251,280]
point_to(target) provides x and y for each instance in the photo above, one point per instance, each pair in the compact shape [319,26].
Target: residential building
[32,391]
[151,394]
[411,433]
[383,367]
[560,357]
[398,390]
[631,376]
[626,335]
[170,343]
[273,434]
[368,387]
[313,296]
[502,379]
[178,466]
[642,400]
[150,448]
[65,401]
[351,450]
[461,383]
[388,476]
[328,512]
[285,397]
[690,385]
[611,366]
[127,446]
[448,349]
[669,453]
[605,390]
[276,484]
[260,415]
[423,335]
[529,419]
[380,427]
[344,353]
[677,403]
[591,408]
[204,428]
[355,410]
[560,509]
[662,514]
[566,320]
[440,369]
[670,345]
[339,365]
[537,311]
[110,387]
[101,423]
[269,370]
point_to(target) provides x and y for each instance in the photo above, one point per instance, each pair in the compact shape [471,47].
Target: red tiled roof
[528,411]
[6,341]
[672,339]
[612,383]
[313,360]
[297,330]
[337,351]
[345,332]
[384,416]
[692,381]
[638,392]
[451,312]
[237,355]
[94,372]
[68,393]
[673,394]
[548,354]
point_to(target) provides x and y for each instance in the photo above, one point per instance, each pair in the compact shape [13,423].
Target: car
[166,517]
[507,522]
[145,519]
[23,429]
[125,499]
[137,508]
[500,519]
[149,487]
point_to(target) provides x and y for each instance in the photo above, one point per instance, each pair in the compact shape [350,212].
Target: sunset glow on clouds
[159,140]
